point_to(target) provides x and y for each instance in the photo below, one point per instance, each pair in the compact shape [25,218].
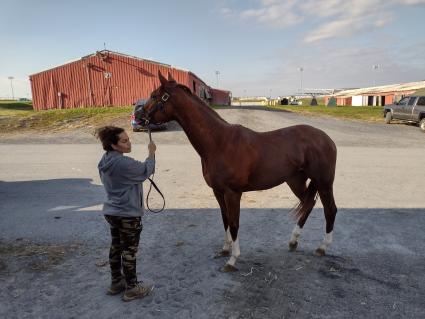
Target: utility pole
[217,74]
[301,69]
[375,67]
[11,86]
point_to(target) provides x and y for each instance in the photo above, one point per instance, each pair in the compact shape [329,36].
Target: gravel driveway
[54,241]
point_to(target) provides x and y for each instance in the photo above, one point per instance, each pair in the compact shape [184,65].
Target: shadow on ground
[38,209]
[374,268]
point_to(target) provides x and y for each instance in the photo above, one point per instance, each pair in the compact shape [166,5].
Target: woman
[122,177]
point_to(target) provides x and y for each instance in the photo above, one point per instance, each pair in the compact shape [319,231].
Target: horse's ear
[162,79]
[170,78]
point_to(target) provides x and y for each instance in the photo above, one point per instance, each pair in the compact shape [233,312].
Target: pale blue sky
[257,46]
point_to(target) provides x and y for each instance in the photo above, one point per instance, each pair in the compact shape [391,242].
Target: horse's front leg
[225,251]
[232,201]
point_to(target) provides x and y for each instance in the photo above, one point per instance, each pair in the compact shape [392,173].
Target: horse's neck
[203,126]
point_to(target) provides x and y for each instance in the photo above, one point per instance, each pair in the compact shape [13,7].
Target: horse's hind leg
[227,238]
[297,184]
[327,198]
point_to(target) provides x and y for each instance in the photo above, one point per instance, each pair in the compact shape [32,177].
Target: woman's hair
[108,135]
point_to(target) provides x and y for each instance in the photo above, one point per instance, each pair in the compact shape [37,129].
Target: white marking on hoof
[235,253]
[227,240]
[293,242]
[324,246]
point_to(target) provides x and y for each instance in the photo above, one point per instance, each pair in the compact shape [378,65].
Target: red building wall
[104,79]
[220,97]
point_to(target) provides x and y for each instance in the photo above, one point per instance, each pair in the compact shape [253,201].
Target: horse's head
[159,107]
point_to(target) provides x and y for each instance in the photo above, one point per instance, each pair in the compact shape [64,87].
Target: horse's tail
[304,207]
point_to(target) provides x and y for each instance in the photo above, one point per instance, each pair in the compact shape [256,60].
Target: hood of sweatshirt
[109,161]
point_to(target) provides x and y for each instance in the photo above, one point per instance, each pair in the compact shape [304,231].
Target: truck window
[412,100]
[403,101]
[421,101]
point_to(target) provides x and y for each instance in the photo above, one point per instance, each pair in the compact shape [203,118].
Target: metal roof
[383,89]
[419,92]
[112,52]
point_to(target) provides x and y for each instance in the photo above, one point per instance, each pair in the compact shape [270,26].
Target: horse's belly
[264,184]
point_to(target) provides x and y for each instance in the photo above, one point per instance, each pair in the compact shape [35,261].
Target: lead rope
[154,185]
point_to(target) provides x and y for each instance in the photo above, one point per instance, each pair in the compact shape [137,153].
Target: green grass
[10,108]
[364,113]
[18,115]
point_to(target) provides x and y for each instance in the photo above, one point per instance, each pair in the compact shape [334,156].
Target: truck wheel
[422,124]
[388,117]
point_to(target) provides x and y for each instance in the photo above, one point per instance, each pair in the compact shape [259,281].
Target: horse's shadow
[376,260]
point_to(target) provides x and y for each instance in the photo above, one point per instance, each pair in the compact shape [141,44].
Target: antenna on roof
[104,46]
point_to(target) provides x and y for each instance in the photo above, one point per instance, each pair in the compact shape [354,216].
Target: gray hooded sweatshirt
[122,177]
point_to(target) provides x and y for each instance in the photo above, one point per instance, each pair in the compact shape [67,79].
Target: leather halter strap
[159,105]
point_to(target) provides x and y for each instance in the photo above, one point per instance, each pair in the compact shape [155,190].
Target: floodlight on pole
[11,86]
[375,67]
[301,69]
[217,73]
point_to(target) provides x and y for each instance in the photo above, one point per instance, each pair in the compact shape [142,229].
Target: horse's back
[296,138]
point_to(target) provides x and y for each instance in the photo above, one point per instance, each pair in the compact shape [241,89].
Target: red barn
[108,78]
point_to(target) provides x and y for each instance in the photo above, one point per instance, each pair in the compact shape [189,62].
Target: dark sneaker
[139,291]
[116,288]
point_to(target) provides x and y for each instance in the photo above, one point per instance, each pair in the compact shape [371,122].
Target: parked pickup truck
[410,109]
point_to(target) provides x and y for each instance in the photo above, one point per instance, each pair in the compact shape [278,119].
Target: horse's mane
[200,101]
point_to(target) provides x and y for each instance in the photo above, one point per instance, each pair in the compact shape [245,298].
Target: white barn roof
[383,89]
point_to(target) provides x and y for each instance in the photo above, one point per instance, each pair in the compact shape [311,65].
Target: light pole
[11,86]
[375,67]
[301,69]
[217,74]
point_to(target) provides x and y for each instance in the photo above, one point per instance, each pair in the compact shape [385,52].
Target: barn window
[194,87]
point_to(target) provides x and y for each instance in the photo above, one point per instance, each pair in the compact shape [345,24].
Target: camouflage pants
[125,233]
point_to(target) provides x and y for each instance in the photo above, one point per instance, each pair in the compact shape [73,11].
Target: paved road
[53,241]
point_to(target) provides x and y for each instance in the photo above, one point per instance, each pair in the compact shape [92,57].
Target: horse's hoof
[222,253]
[228,268]
[293,245]
[320,252]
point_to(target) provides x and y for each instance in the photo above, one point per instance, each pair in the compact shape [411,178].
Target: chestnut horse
[236,159]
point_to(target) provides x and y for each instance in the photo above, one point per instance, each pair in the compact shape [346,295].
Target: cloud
[332,18]
[347,67]
[349,19]
[410,2]
[226,11]
[274,13]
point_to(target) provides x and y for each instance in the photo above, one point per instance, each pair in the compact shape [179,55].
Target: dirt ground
[54,241]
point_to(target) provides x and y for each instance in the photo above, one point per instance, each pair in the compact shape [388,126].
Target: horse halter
[158,106]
